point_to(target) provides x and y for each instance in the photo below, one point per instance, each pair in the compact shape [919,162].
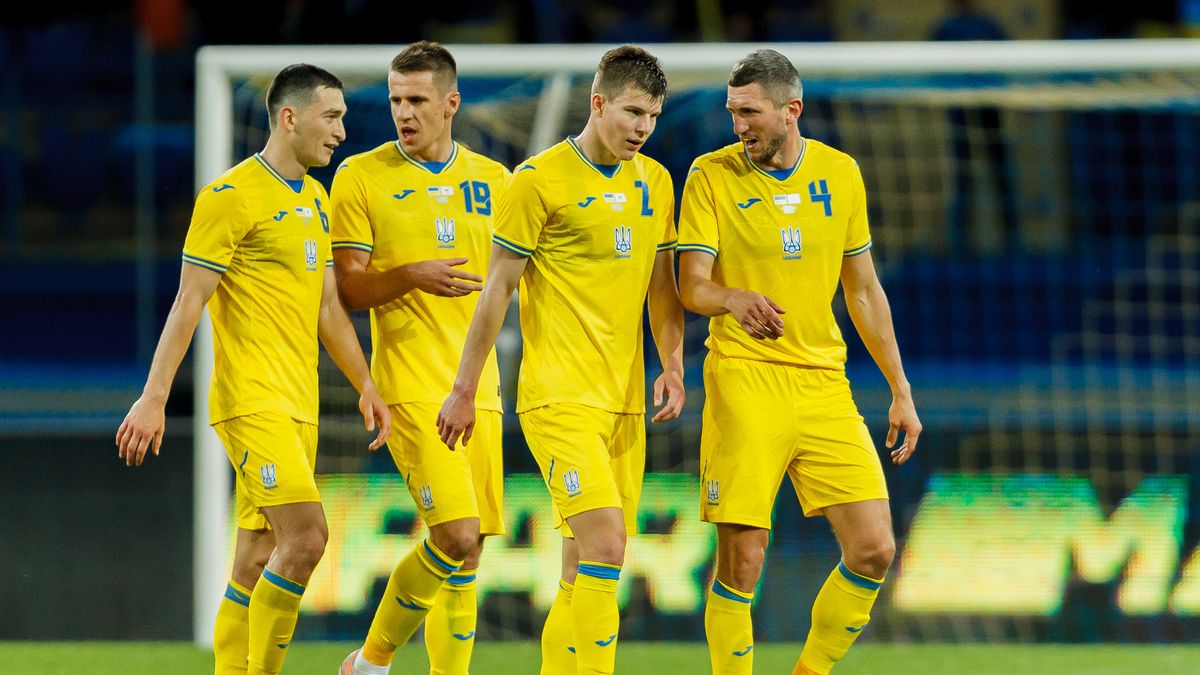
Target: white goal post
[218,68]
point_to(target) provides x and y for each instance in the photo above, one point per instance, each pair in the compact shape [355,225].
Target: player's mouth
[331,146]
[408,134]
[750,143]
[634,144]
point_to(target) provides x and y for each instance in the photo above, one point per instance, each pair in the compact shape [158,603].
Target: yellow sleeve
[697,215]
[219,223]
[665,197]
[858,234]
[351,226]
[522,212]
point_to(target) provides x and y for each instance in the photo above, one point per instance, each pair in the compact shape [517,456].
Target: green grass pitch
[634,658]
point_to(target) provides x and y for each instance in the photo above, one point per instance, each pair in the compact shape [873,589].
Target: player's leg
[558,636]
[745,445]
[843,606]
[439,481]
[741,550]
[276,472]
[231,633]
[600,540]
[450,626]
[572,445]
[837,472]
[273,457]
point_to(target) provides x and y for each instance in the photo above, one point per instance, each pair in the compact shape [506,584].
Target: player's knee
[874,558]
[304,550]
[608,548]
[745,565]
[458,539]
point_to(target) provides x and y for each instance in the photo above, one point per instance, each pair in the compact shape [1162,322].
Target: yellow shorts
[273,457]
[449,485]
[761,419]
[590,459]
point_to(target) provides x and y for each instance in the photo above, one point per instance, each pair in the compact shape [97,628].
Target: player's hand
[902,415]
[456,418]
[668,386]
[375,414]
[141,430]
[440,277]
[757,314]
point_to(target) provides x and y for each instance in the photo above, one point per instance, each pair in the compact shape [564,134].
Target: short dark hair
[297,84]
[428,56]
[629,66]
[772,71]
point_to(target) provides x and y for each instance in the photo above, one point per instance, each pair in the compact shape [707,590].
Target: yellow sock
[840,612]
[231,635]
[729,630]
[594,617]
[557,635]
[450,626]
[274,605]
[558,641]
[410,593]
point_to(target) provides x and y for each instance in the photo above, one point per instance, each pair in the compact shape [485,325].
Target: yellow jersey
[401,210]
[591,234]
[269,239]
[782,234]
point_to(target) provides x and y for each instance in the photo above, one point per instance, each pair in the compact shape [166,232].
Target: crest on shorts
[571,481]
[267,471]
[426,493]
[712,488]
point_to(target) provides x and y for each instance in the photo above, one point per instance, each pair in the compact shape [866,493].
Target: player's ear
[287,118]
[452,102]
[598,102]
[795,107]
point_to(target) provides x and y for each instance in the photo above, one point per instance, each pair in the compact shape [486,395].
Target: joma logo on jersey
[310,254]
[267,472]
[616,200]
[571,482]
[623,240]
[440,193]
[712,490]
[426,493]
[787,202]
[445,232]
[791,242]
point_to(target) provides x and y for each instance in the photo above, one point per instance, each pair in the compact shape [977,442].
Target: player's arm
[362,288]
[338,336]
[666,325]
[457,416]
[872,317]
[143,426]
[757,314]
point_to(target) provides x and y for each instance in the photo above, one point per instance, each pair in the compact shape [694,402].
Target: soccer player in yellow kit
[258,246]
[587,230]
[768,226]
[412,235]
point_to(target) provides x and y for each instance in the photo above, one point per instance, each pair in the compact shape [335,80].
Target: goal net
[1035,209]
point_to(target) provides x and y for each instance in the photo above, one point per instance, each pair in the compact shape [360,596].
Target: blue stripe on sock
[458,579]
[858,579]
[237,596]
[719,588]
[600,571]
[450,569]
[286,584]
